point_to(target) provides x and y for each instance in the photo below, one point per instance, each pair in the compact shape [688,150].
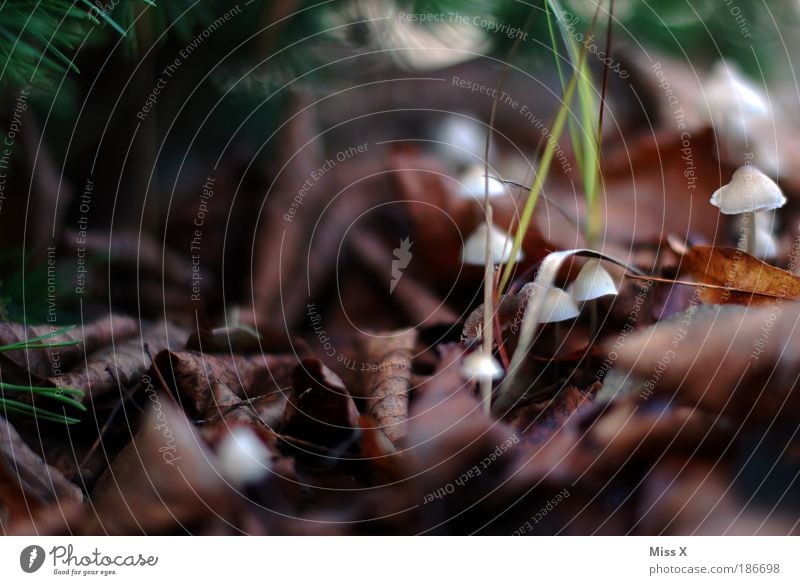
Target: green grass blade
[27,409]
[63,399]
[538,184]
[27,343]
[61,390]
[39,389]
[106,17]
[573,129]
[586,145]
[48,345]
[68,63]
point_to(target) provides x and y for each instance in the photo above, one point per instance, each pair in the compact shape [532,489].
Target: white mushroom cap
[557,306]
[243,457]
[392,36]
[481,366]
[461,140]
[737,108]
[741,114]
[593,282]
[749,190]
[730,91]
[473,184]
[474,251]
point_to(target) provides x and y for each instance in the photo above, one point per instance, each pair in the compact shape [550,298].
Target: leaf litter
[345,372]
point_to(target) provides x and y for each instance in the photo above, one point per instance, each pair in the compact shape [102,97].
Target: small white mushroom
[748,192]
[472,184]
[408,43]
[478,365]
[474,251]
[462,140]
[557,306]
[593,282]
[243,457]
[740,112]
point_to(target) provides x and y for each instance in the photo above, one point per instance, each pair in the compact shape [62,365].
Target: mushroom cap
[243,457]
[481,366]
[472,184]
[740,111]
[557,306]
[728,90]
[749,190]
[474,251]
[462,139]
[593,282]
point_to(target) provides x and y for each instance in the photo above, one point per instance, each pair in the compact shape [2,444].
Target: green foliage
[39,38]
[24,289]
[36,38]
[66,396]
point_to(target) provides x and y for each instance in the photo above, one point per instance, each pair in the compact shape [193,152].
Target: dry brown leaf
[510,308]
[207,384]
[162,482]
[412,297]
[233,338]
[647,195]
[448,428]
[386,362]
[442,220]
[279,252]
[27,483]
[120,365]
[320,410]
[43,363]
[134,250]
[745,279]
[692,496]
[633,431]
[58,519]
[742,361]
[387,464]
[539,421]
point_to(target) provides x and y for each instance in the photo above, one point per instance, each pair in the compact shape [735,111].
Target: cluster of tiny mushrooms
[740,112]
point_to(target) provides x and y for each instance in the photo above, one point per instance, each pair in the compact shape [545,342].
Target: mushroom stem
[750,227]
[485,384]
[559,340]
[592,321]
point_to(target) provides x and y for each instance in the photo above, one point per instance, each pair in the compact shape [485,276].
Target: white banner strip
[400,561]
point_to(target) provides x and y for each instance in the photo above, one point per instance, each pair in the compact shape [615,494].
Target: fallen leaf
[320,411]
[386,463]
[743,279]
[118,366]
[740,361]
[539,421]
[43,363]
[28,483]
[233,338]
[162,482]
[412,297]
[207,384]
[691,496]
[386,363]
[659,183]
